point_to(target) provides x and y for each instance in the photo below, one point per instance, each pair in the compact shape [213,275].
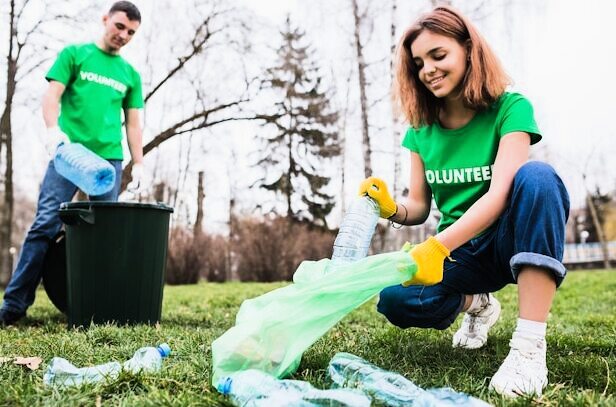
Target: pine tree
[298,153]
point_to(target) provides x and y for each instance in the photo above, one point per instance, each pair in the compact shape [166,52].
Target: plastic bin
[115,255]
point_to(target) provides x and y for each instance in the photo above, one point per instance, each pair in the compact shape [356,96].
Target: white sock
[478,303]
[531,330]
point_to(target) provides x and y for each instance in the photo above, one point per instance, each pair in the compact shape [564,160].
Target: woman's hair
[483,83]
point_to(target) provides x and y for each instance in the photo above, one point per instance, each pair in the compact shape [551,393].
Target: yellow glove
[429,257]
[376,189]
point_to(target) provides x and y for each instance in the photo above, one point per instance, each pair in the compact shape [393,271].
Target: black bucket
[115,255]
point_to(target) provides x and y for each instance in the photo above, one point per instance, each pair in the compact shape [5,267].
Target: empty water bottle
[61,372]
[91,173]
[355,234]
[253,388]
[389,388]
[147,359]
[352,241]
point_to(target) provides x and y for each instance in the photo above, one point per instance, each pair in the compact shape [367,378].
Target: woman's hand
[376,189]
[429,257]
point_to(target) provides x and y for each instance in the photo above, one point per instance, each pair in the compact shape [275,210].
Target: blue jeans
[530,232]
[55,189]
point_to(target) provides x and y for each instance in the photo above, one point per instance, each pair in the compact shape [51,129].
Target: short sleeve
[62,69]
[517,114]
[134,96]
[410,141]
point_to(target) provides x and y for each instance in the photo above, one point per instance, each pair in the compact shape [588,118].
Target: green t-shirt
[458,162]
[98,87]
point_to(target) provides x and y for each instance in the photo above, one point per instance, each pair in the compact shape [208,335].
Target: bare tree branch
[200,38]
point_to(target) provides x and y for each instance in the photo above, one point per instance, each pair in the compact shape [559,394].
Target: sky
[560,53]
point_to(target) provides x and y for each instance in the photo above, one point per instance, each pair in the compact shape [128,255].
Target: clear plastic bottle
[147,359]
[254,388]
[389,388]
[61,372]
[355,233]
[91,173]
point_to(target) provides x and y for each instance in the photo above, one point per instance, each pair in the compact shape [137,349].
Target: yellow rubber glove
[429,257]
[376,189]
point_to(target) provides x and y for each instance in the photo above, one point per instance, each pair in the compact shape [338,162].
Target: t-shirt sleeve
[518,115]
[134,95]
[410,141]
[62,69]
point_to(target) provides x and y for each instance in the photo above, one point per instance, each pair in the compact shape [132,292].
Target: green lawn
[581,348]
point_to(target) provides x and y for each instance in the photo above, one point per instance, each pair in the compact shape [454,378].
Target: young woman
[503,218]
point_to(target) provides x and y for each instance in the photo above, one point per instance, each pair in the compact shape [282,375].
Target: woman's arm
[417,206]
[513,151]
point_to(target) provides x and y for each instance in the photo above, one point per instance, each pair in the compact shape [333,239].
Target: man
[93,84]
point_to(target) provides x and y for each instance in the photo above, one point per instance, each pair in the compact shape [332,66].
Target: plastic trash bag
[272,331]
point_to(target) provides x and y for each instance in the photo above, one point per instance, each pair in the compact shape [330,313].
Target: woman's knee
[537,179]
[536,173]
[419,306]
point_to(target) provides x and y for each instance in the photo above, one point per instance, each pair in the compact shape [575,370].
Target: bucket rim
[113,204]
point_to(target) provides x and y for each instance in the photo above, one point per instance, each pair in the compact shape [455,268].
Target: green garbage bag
[272,331]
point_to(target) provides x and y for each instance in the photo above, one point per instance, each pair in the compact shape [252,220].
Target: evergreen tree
[304,141]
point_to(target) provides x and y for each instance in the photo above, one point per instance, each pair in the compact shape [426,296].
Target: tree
[363,99]
[29,47]
[178,100]
[305,134]
[597,206]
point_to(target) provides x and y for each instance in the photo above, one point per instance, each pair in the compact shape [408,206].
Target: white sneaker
[524,371]
[473,332]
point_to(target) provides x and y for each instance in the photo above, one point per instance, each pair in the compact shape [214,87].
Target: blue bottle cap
[224,385]
[164,350]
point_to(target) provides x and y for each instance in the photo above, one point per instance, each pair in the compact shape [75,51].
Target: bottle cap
[164,349]
[224,385]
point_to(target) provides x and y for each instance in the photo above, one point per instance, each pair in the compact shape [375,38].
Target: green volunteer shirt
[458,162]
[98,87]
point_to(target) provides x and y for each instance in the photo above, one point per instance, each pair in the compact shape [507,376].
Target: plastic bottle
[352,241]
[355,233]
[389,388]
[253,388]
[147,359]
[61,372]
[91,173]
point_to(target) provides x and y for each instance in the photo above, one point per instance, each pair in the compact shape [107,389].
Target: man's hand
[55,136]
[137,184]
[376,189]
[429,257]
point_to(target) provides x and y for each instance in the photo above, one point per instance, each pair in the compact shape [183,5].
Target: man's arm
[51,103]
[134,135]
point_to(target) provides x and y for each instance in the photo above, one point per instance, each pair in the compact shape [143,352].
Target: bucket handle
[73,216]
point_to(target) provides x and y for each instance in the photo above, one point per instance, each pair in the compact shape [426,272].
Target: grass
[581,349]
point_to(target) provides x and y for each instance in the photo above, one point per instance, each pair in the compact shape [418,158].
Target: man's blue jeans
[530,232]
[55,189]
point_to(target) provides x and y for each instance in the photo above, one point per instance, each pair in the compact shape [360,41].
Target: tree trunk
[6,140]
[198,228]
[363,100]
[394,128]
[599,229]
[230,268]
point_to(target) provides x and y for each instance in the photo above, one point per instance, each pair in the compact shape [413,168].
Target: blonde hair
[483,83]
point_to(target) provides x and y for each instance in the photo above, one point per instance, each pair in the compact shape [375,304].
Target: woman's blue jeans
[55,189]
[530,232]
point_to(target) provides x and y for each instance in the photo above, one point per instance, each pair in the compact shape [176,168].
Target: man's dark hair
[132,12]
